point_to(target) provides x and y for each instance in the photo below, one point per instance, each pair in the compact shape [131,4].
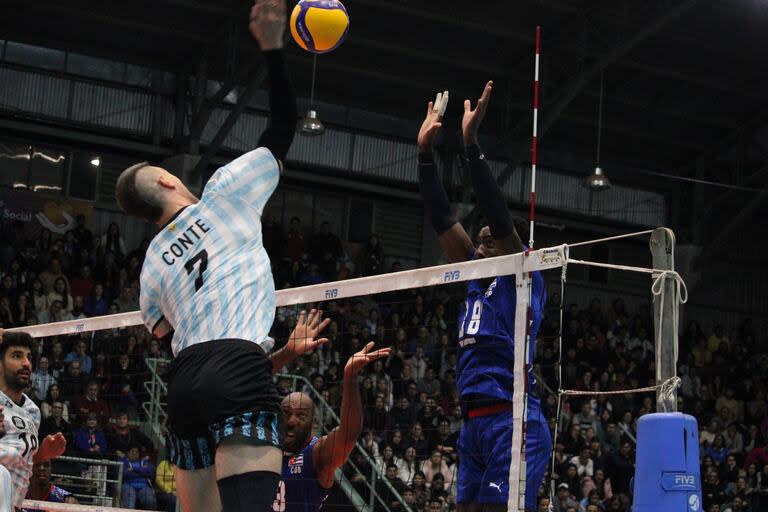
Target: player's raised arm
[333,450]
[303,339]
[490,200]
[453,238]
[267,25]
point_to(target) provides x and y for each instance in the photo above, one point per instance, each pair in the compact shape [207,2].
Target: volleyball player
[207,278]
[310,462]
[19,422]
[485,366]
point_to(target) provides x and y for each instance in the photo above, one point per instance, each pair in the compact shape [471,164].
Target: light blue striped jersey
[206,274]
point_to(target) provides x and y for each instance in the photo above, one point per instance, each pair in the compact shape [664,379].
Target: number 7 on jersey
[202,257]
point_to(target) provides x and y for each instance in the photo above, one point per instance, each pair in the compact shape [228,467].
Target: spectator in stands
[72,383]
[41,488]
[49,276]
[583,463]
[56,358]
[758,455]
[89,439]
[372,257]
[430,384]
[434,465]
[138,474]
[55,313]
[622,469]
[593,499]
[384,491]
[326,251]
[383,460]
[166,486]
[112,242]
[713,490]
[53,395]
[79,353]
[42,378]
[377,418]
[96,303]
[717,450]
[82,285]
[78,308]
[121,436]
[39,298]
[563,501]
[294,240]
[90,403]
[409,465]
[127,300]
[56,423]
[61,293]
[417,439]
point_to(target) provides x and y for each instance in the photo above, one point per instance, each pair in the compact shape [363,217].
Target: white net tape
[67,507]
[541,259]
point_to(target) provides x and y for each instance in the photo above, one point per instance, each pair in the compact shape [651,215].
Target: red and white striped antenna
[534,141]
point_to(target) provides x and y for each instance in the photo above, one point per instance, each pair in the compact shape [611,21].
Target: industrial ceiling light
[95,161]
[598,181]
[311,124]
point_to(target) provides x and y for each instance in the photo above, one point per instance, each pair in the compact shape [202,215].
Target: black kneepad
[249,492]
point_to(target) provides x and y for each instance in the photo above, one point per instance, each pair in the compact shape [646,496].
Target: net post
[662,245]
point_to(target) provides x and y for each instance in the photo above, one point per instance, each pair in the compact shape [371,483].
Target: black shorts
[219,389]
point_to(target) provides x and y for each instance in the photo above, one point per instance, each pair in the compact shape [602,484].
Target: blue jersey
[486,357]
[55,495]
[299,489]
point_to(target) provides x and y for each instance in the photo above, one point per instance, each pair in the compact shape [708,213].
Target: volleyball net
[417,313]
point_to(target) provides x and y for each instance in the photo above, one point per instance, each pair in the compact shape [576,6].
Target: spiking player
[19,422]
[485,364]
[207,277]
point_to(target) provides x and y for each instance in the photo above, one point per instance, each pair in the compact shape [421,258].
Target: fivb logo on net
[331,293]
[451,275]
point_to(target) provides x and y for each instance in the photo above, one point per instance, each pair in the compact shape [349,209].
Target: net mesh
[406,457]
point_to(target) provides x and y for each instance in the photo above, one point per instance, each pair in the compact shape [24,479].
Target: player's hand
[303,339]
[470,123]
[428,130]
[358,361]
[267,23]
[52,446]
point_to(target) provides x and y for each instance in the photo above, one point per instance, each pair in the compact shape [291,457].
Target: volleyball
[319,26]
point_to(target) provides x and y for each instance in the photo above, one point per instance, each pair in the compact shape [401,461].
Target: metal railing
[90,486]
[155,407]
[326,411]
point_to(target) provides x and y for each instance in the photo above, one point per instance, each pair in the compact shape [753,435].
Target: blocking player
[485,367]
[310,462]
[207,278]
[19,422]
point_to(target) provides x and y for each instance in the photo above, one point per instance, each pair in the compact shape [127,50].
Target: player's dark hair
[15,339]
[134,201]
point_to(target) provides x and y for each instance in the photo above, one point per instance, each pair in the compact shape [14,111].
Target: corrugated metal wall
[400,228]
[131,110]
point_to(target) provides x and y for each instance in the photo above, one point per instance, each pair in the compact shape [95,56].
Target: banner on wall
[35,212]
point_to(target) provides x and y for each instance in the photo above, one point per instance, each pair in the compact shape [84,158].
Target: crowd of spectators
[91,387]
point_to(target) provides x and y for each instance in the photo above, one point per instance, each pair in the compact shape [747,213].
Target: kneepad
[248,491]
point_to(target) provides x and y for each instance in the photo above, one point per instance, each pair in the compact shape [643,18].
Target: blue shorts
[485,455]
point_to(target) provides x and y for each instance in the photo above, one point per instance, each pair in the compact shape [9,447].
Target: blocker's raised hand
[358,360]
[303,339]
[435,111]
[470,124]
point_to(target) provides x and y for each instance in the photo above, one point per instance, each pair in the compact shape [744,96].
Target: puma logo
[497,486]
